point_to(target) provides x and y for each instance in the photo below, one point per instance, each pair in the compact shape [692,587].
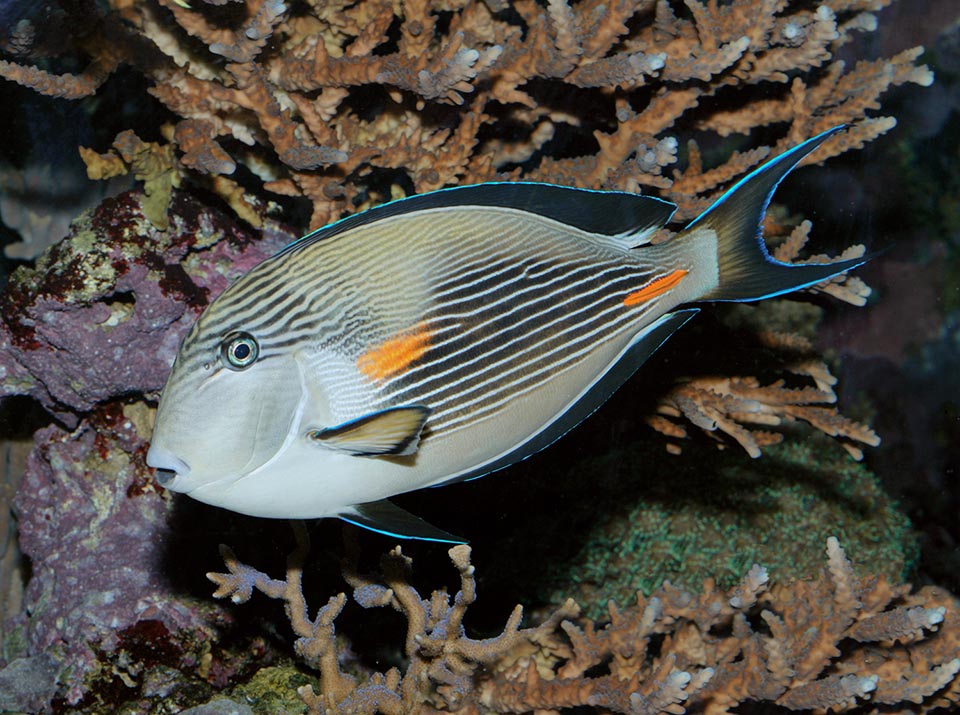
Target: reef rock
[88,332]
[103,311]
[92,523]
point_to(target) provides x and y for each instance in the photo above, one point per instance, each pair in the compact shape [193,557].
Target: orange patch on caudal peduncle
[393,356]
[655,288]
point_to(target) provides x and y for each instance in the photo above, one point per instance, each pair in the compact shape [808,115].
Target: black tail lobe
[746,270]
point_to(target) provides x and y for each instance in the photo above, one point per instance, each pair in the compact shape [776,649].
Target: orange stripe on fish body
[393,356]
[658,287]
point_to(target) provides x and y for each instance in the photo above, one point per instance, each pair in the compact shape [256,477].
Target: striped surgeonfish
[443,336]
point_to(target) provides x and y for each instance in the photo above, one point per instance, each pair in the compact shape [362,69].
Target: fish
[444,336]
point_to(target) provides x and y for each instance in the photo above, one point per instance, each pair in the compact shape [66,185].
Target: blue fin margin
[747,271]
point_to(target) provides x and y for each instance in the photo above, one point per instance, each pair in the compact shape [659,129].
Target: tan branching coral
[326,96]
[752,412]
[778,644]
[443,659]
[730,404]
[150,163]
[68,86]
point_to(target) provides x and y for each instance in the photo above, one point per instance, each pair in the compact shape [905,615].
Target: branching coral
[715,650]
[443,659]
[729,404]
[150,163]
[474,91]
[746,409]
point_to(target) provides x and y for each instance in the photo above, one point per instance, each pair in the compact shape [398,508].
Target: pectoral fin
[394,431]
[384,517]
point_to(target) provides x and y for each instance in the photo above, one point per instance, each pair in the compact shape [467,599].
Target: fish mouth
[168,466]
[165,477]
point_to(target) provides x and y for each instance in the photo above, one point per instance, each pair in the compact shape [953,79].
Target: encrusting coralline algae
[98,320]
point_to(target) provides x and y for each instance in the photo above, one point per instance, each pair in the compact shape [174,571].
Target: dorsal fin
[627,217]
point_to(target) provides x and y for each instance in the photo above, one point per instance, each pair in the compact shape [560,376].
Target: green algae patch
[709,514]
[273,691]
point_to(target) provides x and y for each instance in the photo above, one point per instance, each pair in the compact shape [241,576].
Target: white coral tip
[935,615]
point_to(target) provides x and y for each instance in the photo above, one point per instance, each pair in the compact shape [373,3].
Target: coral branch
[333,94]
[151,163]
[68,86]
[729,404]
[709,653]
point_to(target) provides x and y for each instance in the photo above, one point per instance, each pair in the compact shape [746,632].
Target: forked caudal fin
[746,269]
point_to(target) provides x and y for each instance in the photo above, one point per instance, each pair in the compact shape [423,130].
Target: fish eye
[239,351]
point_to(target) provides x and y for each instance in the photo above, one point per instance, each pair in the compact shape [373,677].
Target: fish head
[232,404]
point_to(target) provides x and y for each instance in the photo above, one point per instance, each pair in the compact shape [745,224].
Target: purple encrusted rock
[88,332]
[104,311]
[27,684]
[91,520]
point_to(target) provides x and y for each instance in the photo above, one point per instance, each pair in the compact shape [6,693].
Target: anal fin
[387,518]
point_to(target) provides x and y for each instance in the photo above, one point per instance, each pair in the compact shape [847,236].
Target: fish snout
[168,465]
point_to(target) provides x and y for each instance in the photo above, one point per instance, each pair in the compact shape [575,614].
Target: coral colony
[756,642]
[466,92]
[341,106]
